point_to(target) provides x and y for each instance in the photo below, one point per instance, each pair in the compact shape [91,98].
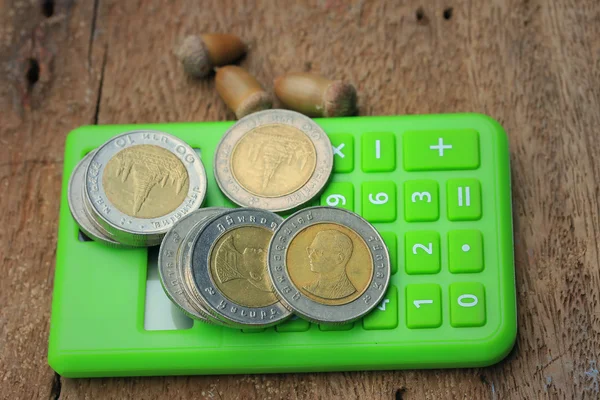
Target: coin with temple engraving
[171,270]
[229,268]
[276,160]
[328,265]
[138,184]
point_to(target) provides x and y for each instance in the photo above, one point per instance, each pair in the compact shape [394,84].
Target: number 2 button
[379,201]
[422,252]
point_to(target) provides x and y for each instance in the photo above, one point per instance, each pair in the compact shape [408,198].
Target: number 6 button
[379,201]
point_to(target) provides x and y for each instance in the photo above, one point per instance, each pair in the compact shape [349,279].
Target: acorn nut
[316,96]
[241,91]
[200,54]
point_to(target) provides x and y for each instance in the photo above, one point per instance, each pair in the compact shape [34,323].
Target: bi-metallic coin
[140,183]
[275,160]
[229,267]
[328,265]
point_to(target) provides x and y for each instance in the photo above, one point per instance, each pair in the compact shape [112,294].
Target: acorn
[241,91]
[200,54]
[316,96]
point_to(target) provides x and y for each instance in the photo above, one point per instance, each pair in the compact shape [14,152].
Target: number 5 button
[423,306]
[379,201]
[339,194]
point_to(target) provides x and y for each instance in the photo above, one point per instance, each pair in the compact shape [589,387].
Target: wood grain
[532,64]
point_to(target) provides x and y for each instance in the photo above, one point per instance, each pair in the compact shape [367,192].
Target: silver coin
[140,183]
[170,269]
[77,206]
[328,265]
[229,268]
[275,160]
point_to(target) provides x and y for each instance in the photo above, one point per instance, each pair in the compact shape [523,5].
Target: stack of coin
[135,187]
[213,265]
[276,160]
[249,268]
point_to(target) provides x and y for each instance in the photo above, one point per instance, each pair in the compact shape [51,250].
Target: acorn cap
[194,57]
[316,96]
[241,91]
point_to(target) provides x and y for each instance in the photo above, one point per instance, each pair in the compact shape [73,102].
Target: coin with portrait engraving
[171,270]
[276,160]
[229,268]
[140,183]
[78,210]
[328,265]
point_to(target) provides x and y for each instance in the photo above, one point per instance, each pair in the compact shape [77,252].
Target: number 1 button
[379,201]
[423,306]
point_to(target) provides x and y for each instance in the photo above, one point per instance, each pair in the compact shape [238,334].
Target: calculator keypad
[467,304]
[441,150]
[343,152]
[339,194]
[464,199]
[422,250]
[423,306]
[465,251]
[385,316]
[379,201]
[421,201]
[378,152]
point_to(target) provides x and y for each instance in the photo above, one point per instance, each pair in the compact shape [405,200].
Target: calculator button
[465,251]
[464,199]
[253,330]
[378,152]
[391,242]
[343,152]
[379,201]
[422,249]
[294,324]
[440,150]
[467,304]
[385,315]
[339,194]
[343,327]
[423,306]
[421,201]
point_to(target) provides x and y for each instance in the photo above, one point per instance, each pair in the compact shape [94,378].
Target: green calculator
[437,188]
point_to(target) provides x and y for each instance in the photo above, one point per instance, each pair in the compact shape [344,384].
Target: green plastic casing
[97,323]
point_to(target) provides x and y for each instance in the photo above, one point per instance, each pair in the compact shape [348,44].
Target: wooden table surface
[534,65]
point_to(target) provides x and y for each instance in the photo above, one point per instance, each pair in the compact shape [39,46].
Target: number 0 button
[379,201]
[467,304]
[339,194]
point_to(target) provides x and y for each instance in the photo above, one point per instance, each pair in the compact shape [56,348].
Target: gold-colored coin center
[329,263]
[238,266]
[145,181]
[273,160]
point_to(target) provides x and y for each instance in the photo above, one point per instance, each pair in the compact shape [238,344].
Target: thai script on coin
[276,160]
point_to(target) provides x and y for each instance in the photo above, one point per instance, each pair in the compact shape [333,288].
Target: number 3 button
[339,194]
[379,201]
